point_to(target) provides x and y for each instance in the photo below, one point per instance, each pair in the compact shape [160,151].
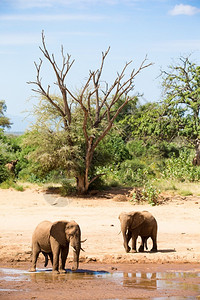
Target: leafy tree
[181,85]
[73,125]
[4,121]
[149,122]
[178,114]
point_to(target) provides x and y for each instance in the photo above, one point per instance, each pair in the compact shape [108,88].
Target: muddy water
[174,285]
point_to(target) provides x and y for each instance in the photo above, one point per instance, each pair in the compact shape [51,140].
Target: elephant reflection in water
[140,280]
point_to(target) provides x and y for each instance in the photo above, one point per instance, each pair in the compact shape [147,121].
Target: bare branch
[95,105]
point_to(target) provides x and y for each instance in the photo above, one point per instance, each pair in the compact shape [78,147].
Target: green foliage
[181,85]
[150,193]
[167,150]
[9,183]
[114,148]
[181,167]
[8,151]
[186,193]
[67,188]
[134,172]
[4,121]
[3,171]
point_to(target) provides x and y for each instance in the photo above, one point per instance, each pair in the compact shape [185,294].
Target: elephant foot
[154,250]
[141,249]
[133,251]
[127,249]
[62,271]
[32,270]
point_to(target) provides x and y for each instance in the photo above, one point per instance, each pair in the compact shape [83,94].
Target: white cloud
[57,17]
[181,9]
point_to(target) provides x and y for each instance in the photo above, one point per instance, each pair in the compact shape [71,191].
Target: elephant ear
[122,215]
[137,219]
[57,231]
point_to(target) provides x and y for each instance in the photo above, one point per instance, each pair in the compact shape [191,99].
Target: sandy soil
[178,235]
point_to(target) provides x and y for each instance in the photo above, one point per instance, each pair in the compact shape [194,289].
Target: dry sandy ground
[20,212]
[178,226]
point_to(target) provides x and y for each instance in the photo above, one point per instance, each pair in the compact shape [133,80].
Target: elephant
[136,223]
[11,165]
[53,240]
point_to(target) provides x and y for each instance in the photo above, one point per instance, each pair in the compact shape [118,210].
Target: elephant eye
[69,227]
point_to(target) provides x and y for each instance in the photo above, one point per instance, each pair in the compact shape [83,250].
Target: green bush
[150,193]
[135,172]
[3,171]
[167,150]
[67,188]
[181,167]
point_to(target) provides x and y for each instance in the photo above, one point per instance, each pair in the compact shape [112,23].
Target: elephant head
[68,233]
[130,220]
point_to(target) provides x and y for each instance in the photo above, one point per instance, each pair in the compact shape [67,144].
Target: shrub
[3,171]
[135,172]
[150,193]
[67,188]
[181,167]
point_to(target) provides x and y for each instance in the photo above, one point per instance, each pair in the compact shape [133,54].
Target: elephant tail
[46,258]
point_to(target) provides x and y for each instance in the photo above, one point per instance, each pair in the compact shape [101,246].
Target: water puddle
[159,281]
[184,281]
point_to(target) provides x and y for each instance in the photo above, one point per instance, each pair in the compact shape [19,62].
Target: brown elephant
[11,165]
[136,223]
[53,240]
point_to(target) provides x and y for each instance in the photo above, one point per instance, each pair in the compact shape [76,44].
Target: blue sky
[161,29]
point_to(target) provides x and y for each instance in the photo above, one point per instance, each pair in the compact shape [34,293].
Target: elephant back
[41,235]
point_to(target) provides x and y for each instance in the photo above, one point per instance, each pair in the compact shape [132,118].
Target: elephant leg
[154,240]
[141,248]
[126,238]
[51,257]
[56,252]
[134,240]
[36,251]
[126,241]
[63,258]
[154,248]
[129,236]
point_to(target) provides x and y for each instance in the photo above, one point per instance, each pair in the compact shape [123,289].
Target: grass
[11,184]
[177,187]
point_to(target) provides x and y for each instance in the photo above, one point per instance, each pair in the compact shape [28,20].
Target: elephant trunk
[76,253]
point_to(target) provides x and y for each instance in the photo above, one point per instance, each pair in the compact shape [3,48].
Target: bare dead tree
[105,102]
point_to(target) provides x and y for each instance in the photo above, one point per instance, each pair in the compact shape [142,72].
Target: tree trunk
[82,184]
[196,159]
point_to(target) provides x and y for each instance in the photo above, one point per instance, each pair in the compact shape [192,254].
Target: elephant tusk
[84,241]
